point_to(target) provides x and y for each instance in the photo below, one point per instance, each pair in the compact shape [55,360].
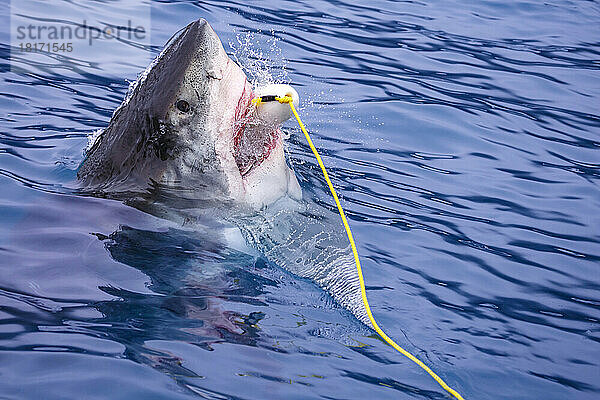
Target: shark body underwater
[188,145]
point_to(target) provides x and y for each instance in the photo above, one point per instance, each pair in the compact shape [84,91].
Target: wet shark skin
[148,139]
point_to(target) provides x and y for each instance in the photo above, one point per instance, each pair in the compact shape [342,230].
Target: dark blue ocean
[462,137]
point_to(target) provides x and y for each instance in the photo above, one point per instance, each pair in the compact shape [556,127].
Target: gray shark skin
[185,140]
[139,139]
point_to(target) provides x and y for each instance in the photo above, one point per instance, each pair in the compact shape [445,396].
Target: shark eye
[182,106]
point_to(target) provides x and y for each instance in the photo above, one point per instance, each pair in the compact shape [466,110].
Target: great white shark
[188,144]
[188,122]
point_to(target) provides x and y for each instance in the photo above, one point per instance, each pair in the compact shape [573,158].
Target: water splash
[260,57]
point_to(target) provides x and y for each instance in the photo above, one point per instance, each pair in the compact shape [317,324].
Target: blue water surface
[464,140]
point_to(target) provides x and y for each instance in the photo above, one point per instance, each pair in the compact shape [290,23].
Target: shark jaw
[251,149]
[252,142]
[256,128]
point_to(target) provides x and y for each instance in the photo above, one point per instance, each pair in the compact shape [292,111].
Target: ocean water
[463,139]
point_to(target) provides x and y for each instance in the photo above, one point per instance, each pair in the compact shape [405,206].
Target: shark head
[188,124]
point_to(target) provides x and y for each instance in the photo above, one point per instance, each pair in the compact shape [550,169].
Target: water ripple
[463,140]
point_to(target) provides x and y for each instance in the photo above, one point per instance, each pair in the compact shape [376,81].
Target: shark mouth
[253,140]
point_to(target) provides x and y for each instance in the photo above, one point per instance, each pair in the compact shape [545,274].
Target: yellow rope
[288,100]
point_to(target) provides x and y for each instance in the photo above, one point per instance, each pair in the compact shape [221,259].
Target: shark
[188,122]
[189,145]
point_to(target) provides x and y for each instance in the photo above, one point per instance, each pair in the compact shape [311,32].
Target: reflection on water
[463,139]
